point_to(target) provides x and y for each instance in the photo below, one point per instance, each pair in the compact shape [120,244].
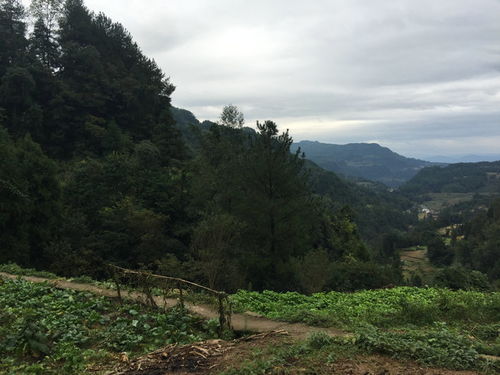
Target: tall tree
[47,11]
[232,117]
[255,179]
[276,185]
[44,46]
[12,34]
[29,201]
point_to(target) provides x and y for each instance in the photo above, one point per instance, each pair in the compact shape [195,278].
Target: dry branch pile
[193,358]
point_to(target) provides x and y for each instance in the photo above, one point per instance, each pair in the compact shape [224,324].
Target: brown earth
[214,356]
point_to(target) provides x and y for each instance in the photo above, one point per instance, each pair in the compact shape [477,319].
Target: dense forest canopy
[97,167]
[483,177]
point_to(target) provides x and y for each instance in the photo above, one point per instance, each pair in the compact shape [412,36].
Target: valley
[136,238]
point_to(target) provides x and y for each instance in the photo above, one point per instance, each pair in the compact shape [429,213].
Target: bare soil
[214,356]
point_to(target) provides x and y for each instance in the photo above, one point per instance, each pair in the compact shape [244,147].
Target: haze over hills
[470,158]
[365,160]
[101,179]
[362,160]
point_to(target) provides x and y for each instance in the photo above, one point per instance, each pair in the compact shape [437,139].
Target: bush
[318,340]
[461,278]
[349,277]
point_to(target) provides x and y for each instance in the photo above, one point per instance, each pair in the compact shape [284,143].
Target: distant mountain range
[363,160]
[366,161]
[464,158]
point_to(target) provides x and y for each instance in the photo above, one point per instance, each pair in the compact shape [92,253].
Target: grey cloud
[409,74]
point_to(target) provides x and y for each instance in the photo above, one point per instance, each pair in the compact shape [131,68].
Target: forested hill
[481,177]
[97,167]
[366,160]
[375,210]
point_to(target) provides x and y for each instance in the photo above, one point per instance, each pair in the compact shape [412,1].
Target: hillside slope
[481,177]
[366,160]
[375,210]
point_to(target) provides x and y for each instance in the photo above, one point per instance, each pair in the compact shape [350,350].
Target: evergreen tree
[48,12]
[29,200]
[232,117]
[12,34]
[43,45]
[275,202]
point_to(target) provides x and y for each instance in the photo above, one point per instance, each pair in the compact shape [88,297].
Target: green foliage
[436,347]
[461,278]
[352,276]
[438,253]
[480,248]
[454,178]
[254,180]
[61,330]
[273,363]
[93,169]
[232,117]
[12,34]
[215,245]
[14,269]
[313,270]
[29,201]
[318,340]
[381,307]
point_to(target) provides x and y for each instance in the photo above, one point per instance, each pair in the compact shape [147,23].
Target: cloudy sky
[419,76]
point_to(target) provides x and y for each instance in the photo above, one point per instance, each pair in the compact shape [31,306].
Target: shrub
[318,340]
[349,277]
[461,278]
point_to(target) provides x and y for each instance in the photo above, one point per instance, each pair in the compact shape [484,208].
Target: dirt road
[240,322]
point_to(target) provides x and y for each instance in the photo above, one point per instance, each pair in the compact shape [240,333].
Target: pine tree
[43,45]
[12,34]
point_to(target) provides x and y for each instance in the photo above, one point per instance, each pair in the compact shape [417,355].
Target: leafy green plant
[402,305]
[318,340]
[437,347]
[62,330]
[14,269]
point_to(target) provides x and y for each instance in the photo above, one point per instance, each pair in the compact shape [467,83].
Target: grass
[415,262]
[193,297]
[49,331]
[320,353]
[379,307]
[433,326]
[441,200]
[310,356]
[14,269]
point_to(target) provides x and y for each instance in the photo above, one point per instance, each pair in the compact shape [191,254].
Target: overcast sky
[419,76]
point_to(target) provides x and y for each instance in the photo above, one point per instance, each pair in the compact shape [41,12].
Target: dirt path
[240,322]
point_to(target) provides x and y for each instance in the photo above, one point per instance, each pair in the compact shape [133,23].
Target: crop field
[378,307]
[414,261]
[44,330]
[432,326]
[439,201]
